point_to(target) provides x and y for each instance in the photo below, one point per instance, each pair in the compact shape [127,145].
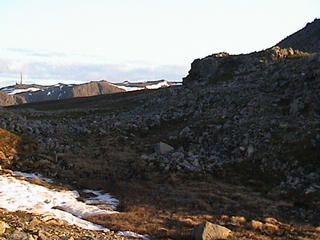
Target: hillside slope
[94,88]
[306,39]
[244,126]
[237,145]
[7,100]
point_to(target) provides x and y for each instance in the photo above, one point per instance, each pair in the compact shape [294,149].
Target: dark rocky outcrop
[222,67]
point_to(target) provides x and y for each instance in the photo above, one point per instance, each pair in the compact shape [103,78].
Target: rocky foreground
[20,226]
[237,145]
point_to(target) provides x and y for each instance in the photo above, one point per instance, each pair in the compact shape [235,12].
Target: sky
[75,41]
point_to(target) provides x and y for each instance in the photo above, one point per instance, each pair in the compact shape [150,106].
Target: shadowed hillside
[306,39]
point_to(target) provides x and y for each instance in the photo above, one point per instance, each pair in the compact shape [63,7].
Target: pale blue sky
[82,40]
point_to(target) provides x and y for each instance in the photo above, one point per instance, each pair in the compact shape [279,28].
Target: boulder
[163,148]
[3,227]
[256,225]
[210,231]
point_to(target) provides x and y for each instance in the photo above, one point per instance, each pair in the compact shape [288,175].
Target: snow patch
[101,198]
[129,89]
[32,175]
[13,91]
[132,235]
[20,195]
[158,85]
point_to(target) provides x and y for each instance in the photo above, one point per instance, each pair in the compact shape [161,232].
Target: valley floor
[170,209]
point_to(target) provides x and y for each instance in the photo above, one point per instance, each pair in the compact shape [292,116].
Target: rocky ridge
[306,39]
[38,93]
[24,93]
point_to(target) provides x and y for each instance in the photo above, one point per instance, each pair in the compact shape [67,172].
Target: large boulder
[210,231]
[3,227]
[163,148]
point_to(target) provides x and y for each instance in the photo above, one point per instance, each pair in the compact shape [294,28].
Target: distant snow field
[158,85]
[13,91]
[128,87]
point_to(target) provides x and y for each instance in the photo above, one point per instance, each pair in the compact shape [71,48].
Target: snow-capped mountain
[25,93]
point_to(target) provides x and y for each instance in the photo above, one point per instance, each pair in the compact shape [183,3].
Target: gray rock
[163,148]
[210,231]
[186,132]
[250,151]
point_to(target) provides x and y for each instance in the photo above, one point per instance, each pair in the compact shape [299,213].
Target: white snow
[20,195]
[101,198]
[129,89]
[32,175]
[132,235]
[13,91]
[151,86]
[158,85]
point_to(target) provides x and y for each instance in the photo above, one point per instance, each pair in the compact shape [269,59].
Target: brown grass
[165,211]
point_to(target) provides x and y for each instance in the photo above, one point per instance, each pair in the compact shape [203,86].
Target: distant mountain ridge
[307,39]
[27,93]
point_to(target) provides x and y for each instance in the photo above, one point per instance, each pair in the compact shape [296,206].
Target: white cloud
[41,67]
